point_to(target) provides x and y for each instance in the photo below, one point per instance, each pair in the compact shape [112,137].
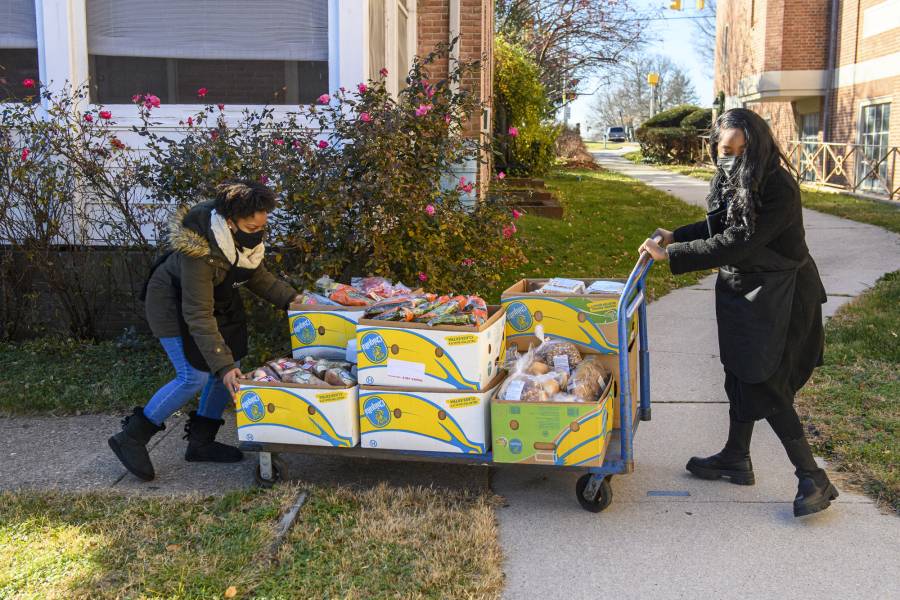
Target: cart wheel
[277,471]
[602,497]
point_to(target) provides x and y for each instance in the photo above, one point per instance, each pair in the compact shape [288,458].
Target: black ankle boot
[737,469]
[130,444]
[200,432]
[814,490]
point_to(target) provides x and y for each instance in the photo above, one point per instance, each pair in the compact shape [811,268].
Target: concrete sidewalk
[669,535]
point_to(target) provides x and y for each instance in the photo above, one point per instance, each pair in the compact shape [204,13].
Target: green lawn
[850,207]
[372,543]
[853,402]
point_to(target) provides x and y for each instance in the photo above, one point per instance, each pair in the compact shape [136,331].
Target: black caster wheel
[601,498]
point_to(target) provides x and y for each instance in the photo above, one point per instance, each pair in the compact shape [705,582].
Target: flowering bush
[366,181]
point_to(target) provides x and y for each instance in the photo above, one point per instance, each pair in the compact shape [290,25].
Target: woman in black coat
[768,299]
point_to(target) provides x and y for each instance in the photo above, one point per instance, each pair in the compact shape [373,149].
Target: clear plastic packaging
[559,355]
[588,379]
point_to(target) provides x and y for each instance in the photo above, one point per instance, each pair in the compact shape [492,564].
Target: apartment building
[819,71]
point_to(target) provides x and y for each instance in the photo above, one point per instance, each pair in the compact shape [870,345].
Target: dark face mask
[248,240]
[728,163]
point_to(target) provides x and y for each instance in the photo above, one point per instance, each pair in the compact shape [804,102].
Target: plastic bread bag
[339,377]
[523,387]
[323,365]
[588,379]
[279,366]
[559,355]
[565,397]
[304,378]
[264,374]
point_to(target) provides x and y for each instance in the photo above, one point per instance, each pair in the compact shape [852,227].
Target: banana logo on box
[582,441]
[301,415]
[407,413]
[322,329]
[376,347]
[558,319]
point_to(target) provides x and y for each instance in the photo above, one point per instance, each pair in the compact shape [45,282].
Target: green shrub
[700,119]
[671,117]
[520,102]
[667,144]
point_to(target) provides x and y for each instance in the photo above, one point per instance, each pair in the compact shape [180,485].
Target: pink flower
[278,142]
[214,135]
[447,119]
[25,153]
[429,210]
[190,121]
[509,231]
[464,186]
[513,131]
[363,88]
[423,277]
[136,98]
[322,144]
[151,101]
[365,117]
[105,114]
[501,175]
[201,92]
[429,91]
[29,83]
[516,214]
[423,110]
[296,144]
[324,99]
[221,106]
[89,118]
[263,179]
[468,262]
[383,72]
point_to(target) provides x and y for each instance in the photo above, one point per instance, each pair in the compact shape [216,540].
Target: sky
[672,38]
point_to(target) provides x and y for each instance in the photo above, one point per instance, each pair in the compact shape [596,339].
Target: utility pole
[653,80]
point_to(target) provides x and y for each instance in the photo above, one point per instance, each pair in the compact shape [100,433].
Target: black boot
[200,432]
[814,490]
[130,444]
[733,462]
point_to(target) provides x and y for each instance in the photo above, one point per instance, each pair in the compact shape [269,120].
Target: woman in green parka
[768,299]
[194,307]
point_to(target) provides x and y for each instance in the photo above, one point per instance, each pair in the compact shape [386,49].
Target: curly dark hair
[242,198]
[760,159]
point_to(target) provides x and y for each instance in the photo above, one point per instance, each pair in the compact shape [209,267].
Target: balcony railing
[852,167]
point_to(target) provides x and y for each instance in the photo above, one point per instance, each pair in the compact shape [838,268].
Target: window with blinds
[264,52]
[18,49]
[391,40]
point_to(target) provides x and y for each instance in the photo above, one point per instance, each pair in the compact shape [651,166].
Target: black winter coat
[768,297]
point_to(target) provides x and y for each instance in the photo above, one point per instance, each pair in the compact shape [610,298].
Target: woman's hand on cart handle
[665,236]
[652,248]
[231,380]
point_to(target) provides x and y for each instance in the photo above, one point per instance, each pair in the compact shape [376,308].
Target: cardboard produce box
[290,413]
[321,330]
[552,433]
[588,320]
[455,421]
[414,355]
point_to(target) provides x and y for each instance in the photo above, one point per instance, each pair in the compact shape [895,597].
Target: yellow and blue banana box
[322,331]
[554,433]
[414,355]
[456,421]
[289,413]
[589,320]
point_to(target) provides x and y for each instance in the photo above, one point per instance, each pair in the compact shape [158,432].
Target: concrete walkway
[704,539]
[718,541]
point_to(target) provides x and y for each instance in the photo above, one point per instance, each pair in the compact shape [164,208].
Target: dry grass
[381,542]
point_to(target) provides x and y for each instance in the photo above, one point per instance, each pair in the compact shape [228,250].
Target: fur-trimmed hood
[200,232]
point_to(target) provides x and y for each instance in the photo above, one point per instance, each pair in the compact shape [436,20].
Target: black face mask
[248,240]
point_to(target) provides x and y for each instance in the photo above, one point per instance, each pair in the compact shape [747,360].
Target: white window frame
[63,56]
[860,122]
[394,81]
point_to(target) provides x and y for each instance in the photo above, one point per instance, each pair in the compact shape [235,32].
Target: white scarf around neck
[247,258]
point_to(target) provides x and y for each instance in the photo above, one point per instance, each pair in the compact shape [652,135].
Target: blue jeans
[187,383]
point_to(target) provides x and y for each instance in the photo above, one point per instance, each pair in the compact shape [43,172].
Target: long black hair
[760,159]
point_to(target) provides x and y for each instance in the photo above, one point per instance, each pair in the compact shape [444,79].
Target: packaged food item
[349,296]
[264,374]
[339,377]
[565,397]
[282,364]
[308,297]
[303,377]
[559,355]
[588,379]
[561,285]
[606,287]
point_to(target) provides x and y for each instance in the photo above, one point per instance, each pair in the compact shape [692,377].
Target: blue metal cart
[593,489]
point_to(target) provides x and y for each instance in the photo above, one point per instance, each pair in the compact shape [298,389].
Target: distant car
[615,134]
